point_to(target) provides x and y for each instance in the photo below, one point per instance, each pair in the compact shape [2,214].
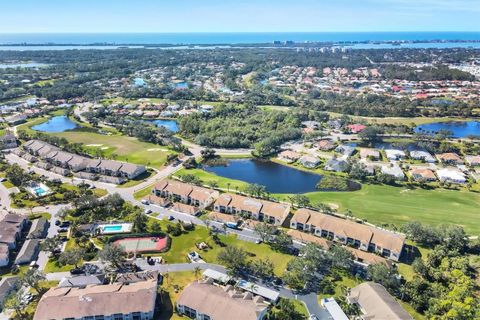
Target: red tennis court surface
[144,244]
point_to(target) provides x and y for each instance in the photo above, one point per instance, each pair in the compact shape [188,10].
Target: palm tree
[166,276]
[228,186]
[196,272]
[252,287]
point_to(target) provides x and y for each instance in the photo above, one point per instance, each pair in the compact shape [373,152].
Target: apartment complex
[376,303]
[206,301]
[261,210]
[361,236]
[135,301]
[56,157]
[185,193]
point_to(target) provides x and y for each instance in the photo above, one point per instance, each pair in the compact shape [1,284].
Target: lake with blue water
[460,129]
[171,125]
[275,177]
[56,124]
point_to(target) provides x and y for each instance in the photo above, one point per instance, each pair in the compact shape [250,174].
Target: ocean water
[226,38]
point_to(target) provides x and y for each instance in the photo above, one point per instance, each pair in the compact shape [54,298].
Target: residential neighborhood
[208,161]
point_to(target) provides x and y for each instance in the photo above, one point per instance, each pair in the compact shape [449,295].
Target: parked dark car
[65,224]
[77,271]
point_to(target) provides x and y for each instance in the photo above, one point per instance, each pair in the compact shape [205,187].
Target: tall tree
[72,257]
[265,231]
[113,255]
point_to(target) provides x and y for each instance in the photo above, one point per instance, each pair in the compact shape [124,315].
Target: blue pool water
[459,129]
[112,228]
[56,124]
[39,191]
[275,177]
[171,125]
[139,82]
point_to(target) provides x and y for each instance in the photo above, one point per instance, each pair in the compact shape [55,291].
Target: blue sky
[238,16]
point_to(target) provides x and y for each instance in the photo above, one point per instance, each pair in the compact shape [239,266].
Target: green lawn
[207,178]
[54,266]
[173,284]
[142,193]
[45,215]
[396,205]
[120,147]
[186,243]
[8,184]
[382,204]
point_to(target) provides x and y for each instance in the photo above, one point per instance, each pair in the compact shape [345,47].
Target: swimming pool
[115,228]
[112,228]
[39,190]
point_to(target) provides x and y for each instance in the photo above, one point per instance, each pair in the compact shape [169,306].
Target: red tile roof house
[356,128]
[420,174]
[325,145]
[450,158]
[289,156]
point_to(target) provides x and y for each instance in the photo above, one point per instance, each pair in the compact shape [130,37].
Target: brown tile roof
[202,194]
[273,209]
[157,200]
[325,145]
[424,173]
[309,238]
[221,303]
[107,300]
[377,303]
[289,154]
[223,200]
[301,216]
[367,257]
[365,153]
[222,217]
[175,187]
[362,232]
[450,156]
[185,208]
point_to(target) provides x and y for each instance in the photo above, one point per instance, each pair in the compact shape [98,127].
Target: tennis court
[144,244]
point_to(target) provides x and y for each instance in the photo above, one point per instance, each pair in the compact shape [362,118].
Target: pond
[171,125]
[275,177]
[56,124]
[460,129]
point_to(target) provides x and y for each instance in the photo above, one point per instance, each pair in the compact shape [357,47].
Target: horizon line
[229,32]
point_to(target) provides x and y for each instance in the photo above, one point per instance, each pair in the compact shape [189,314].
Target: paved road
[158,213]
[310,300]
